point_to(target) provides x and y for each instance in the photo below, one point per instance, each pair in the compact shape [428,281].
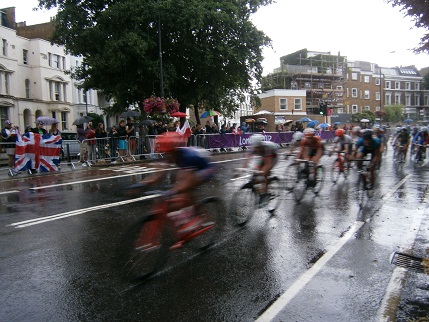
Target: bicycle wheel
[361,189]
[208,212]
[301,183]
[243,204]
[319,179]
[276,189]
[335,171]
[291,176]
[147,246]
[418,160]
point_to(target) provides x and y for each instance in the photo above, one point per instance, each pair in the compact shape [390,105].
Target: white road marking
[36,221]
[296,287]
[8,192]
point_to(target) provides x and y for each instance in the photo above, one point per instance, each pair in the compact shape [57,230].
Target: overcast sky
[368,30]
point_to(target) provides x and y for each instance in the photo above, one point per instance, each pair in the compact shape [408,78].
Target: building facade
[34,80]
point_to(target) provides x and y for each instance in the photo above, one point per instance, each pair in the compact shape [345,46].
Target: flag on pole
[185,130]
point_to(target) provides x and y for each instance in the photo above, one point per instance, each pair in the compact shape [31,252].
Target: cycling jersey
[195,159]
[267,149]
[374,145]
[313,144]
[403,138]
[344,142]
[421,138]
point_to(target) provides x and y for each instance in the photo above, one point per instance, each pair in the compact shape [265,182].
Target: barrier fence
[113,150]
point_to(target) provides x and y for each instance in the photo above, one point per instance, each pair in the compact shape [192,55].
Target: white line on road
[8,192]
[42,220]
[287,296]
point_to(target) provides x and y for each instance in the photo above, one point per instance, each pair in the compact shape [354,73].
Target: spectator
[160,128]
[101,135]
[81,137]
[280,127]
[54,131]
[39,128]
[131,136]
[223,129]
[91,141]
[113,142]
[9,135]
[142,141]
[208,127]
[215,128]
[122,130]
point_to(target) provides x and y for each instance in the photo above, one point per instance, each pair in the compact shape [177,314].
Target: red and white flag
[185,130]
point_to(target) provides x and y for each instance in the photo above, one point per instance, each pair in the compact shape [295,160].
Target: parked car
[70,144]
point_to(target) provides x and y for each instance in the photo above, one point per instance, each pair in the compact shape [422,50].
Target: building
[33,76]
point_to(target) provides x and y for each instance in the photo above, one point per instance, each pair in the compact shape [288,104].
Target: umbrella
[364,120]
[323,125]
[130,113]
[305,119]
[249,120]
[262,112]
[147,122]
[408,120]
[312,123]
[209,113]
[337,123]
[46,120]
[288,121]
[178,114]
[82,120]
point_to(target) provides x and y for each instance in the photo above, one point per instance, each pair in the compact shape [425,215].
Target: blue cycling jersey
[191,158]
[374,144]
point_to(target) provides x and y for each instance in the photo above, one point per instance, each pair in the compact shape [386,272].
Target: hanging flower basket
[157,105]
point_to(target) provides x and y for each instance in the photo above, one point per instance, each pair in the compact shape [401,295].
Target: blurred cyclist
[311,148]
[343,143]
[368,144]
[422,138]
[402,140]
[266,152]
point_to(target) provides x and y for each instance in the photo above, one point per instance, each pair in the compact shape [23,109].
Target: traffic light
[323,108]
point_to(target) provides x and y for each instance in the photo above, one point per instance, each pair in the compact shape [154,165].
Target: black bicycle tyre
[208,211]
[141,262]
[335,171]
[301,183]
[361,189]
[319,179]
[277,190]
[291,176]
[243,204]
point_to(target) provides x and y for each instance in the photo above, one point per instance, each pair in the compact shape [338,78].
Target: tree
[394,113]
[211,51]
[356,117]
[418,10]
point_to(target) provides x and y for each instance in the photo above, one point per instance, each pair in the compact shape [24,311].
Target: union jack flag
[36,152]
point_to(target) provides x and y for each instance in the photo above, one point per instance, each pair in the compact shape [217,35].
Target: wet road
[325,259]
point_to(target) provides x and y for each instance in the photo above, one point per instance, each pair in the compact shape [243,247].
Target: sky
[368,30]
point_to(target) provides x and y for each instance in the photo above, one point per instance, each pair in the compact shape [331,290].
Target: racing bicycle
[303,175]
[364,187]
[420,154]
[340,167]
[149,241]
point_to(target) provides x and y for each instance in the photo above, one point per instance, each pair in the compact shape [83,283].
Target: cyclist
[195,169]
[402,140]
[311,148]
[379,133]
[343,143]
[296,141]
[422,138]
[267,153]
[368,144]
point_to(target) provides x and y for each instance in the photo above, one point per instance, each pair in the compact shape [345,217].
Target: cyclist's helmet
[339,132]
[309,131]
[367,135]
[356,129]
[424,129]
[169,141]
[297,136]
[256,140]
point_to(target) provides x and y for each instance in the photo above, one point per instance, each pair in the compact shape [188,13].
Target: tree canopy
[211,51]
[418,10]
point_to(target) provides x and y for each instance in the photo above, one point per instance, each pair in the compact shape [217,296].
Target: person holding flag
[9,135]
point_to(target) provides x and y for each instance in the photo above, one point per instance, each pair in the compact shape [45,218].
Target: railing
[113,150]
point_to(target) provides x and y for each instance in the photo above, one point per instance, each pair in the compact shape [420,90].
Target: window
[426,100]
[388,99]
[387,84]
[56,61]
[6,83]
[340,110]
[367,94]
[397,99]
[25,56]
[27,88]
[64,120]
[4,47]
[407,85]
[283,104]
[354,92]
[417,86]
[417,100]
[354,108]
[377,81]
[367,108]
[57,91]
[377,108]
[64,62]
[366,79]
[298,104]
[377,96]
[407,99]
[397,85]
[354,76]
